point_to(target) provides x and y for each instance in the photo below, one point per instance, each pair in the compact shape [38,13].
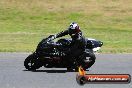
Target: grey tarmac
[14,75]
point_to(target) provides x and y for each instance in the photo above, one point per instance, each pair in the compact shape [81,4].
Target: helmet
[73,28]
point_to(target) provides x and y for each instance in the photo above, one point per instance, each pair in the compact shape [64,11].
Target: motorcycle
[42,56]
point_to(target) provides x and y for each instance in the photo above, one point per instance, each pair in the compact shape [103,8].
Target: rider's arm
[63,33]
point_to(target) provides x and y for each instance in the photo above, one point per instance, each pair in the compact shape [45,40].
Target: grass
[23,23]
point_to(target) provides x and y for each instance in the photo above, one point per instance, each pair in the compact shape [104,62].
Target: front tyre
[30,62]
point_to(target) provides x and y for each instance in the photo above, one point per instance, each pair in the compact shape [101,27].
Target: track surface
[14,75]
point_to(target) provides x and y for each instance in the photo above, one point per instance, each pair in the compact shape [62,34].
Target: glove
[51,37]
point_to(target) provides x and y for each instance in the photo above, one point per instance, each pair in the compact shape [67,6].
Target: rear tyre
[76,69]
[89,60]
[70,69]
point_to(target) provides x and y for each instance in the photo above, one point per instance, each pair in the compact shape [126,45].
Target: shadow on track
[51,71]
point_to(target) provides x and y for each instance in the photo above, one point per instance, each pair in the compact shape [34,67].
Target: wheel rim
[31,63]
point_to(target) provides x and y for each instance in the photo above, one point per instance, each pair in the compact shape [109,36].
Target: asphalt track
[14,75]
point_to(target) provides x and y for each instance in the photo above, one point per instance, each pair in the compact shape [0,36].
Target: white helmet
[73,28]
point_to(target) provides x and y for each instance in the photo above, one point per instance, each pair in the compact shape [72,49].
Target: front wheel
[31,62]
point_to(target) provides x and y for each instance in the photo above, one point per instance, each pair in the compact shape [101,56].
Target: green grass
[23,23]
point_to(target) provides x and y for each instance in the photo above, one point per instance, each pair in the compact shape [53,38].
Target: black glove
[53,37]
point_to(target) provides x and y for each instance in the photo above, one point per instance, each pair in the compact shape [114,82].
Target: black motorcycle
[49,56]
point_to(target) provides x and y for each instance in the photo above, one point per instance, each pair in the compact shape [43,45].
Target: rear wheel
[89,60]
[70,69]
[76,69]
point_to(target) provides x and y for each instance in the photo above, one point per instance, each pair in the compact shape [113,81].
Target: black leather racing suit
[77,45]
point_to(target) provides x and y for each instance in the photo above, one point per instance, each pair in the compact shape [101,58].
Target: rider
[78,41]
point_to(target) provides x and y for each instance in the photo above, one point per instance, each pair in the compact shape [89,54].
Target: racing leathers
[77,45]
